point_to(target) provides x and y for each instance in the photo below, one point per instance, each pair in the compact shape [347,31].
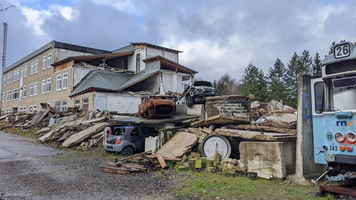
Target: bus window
[319,97]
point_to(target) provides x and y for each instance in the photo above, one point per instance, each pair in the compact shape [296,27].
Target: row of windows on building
[33,108]
[60,85]
[59,106]
[46,63]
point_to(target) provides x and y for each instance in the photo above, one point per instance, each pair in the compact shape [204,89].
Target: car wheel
[127,151]
[189,101]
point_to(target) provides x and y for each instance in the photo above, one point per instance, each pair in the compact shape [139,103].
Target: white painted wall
[122,103]
[151,52]
[172,81]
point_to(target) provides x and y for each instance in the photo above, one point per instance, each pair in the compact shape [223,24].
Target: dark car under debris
[197,92]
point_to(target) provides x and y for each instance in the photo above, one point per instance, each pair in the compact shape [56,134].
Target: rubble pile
[72,128]
[142,162]
[282,117]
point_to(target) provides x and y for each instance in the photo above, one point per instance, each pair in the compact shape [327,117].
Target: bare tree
[5,8]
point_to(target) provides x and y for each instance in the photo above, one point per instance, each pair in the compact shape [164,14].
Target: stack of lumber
[142,162]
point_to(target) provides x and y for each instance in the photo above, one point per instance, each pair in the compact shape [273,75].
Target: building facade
[64,75]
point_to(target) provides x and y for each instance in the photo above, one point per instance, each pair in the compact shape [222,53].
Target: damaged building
[65,75]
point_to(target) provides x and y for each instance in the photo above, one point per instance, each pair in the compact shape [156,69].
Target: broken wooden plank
[161,162]
[221,119]
[129,157]
[178,145]
[254,135]
[77,138]
[267,129]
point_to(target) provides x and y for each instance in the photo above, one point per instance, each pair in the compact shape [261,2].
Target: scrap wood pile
[71,128]
[81,131]
[142,162]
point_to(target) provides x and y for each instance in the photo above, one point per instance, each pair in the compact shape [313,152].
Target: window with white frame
[59,82]
[64,106]
[32,66]
[7,96]
[15,94]
[10,95]
[34,108]
[20,109]
[21,72]
[25,71]
[57,106]
[24,109]
[35,89]
[16,75]
[48,85]
[44,63]
[43,88]
[31,89]
[10,77]
[30,108]
[36,66]
[24,92]
[49,60]
[65,80]
[77,103]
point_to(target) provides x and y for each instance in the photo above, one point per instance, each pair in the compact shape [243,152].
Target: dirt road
[29,170]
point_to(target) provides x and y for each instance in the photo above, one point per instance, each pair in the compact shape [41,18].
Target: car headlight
[340,137]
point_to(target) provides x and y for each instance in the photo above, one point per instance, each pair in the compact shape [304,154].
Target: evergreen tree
[291,81]
[305,62]
[276,84]
[331,48]
[226,85]
[254,82]
[317,64]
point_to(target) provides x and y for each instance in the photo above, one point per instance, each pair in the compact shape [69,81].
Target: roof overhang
[139,44]
[93,58]
[170,65]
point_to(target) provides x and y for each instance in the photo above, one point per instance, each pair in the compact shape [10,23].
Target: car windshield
[203,83]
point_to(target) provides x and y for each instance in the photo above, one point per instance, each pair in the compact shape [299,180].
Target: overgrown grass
[212,185]
[29,132]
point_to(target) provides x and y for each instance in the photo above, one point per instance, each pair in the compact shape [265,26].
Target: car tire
[127,151]
[189,101]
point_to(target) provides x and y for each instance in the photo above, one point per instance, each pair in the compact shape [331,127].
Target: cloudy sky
[216,37]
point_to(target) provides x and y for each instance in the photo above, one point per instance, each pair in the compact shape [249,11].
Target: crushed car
[127,139]
[197,92]
[155,107]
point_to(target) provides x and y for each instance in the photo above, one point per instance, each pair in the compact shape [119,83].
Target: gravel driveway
[44,172]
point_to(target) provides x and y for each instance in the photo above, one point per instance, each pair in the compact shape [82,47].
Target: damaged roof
[133,45]
[108,81]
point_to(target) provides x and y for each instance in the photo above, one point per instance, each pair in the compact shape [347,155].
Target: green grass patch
[210,186]
[29,132]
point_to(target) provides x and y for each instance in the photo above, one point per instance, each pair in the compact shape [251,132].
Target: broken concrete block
[210,169]
[184,158]
[181,168]
[234,161]
[192,161]
[206,130]
[198,163]
[229,171]
[216,164]
[195,155]
[209,163]
[216,156]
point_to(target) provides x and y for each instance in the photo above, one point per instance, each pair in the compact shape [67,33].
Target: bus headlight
[340,137]
[351,137]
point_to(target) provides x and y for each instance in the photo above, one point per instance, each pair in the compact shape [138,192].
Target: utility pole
[3,62]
